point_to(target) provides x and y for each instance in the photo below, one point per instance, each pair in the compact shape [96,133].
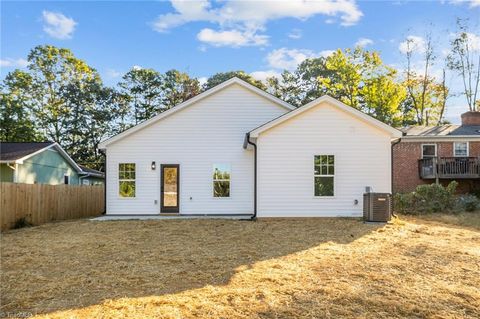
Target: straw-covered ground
[275,268]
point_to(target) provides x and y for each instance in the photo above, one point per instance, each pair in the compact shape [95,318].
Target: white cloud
[250,17]
[288,59]
[232,38]
[413,43]
[57,25]
[13,63]
[471,3]
[136,67]
[473,41]
[263,75]
[295,34]
[363,42]
[202,80]
[112,73]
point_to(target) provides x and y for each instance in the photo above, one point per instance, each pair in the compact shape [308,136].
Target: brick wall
[405,166]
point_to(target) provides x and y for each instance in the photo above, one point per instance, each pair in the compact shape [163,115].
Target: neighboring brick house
[443,153]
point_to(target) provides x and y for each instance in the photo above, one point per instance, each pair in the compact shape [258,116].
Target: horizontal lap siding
[209,132]
[285,155]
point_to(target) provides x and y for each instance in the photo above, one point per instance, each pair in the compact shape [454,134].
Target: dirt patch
[273,268]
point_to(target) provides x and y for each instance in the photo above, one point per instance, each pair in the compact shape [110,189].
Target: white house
[236,150]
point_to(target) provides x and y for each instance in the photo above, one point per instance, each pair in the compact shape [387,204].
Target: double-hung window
[221,180]
[126,179]
[429,150]
[324,175]
[460,149]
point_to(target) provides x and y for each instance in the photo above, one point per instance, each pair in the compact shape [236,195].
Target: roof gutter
[440,138]
[91,174]
[254,216]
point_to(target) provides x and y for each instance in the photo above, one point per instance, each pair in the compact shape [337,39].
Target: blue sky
[203,38]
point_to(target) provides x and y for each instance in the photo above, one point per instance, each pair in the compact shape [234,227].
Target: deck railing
[449,167]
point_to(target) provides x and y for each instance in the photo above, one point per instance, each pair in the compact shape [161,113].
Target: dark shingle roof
[10,151]
[442,130]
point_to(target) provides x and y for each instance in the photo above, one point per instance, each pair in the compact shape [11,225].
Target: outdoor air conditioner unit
[377,207]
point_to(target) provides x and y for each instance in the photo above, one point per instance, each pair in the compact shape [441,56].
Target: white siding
[286,163]
[208,132]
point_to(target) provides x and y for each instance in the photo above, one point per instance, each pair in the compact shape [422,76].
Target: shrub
[431,198]
[468,203]
[402,202]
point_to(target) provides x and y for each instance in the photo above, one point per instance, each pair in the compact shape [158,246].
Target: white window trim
[68,179]
[322,175]
[222,180]
[126,180]
[468,149]
[430,144]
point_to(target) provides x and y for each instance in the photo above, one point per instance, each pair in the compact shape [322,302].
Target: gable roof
[17,152]
[348,109]
[442,130]
[11,151]
[193,100]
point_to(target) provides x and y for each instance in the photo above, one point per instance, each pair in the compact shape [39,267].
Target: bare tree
[426,97]
[465,60]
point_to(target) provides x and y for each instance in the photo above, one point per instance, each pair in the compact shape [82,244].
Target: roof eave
[87,174]
[441,137]
[103,145]
[395,133]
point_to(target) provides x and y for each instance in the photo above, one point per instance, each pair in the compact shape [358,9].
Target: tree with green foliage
[142,88]
[287,87]
[16,118]
[221,77]
[93,106]
[66,97]
[178,87]
[59,98]
[149,92]
[356,77]
[53,70]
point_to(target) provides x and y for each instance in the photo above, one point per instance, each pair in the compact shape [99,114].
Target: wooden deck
[449,168]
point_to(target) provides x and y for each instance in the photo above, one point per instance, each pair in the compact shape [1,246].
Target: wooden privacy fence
[41,203]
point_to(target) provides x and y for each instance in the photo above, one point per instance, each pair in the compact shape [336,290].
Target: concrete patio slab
[157,217]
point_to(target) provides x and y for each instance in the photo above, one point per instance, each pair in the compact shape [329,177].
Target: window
[324,174]
[429,150]
[126,179]
[66,179]
[221,180]
[460,149]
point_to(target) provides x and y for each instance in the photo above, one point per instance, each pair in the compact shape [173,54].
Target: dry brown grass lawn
[275,268]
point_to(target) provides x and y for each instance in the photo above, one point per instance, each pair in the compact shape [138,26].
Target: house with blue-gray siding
[43,163]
